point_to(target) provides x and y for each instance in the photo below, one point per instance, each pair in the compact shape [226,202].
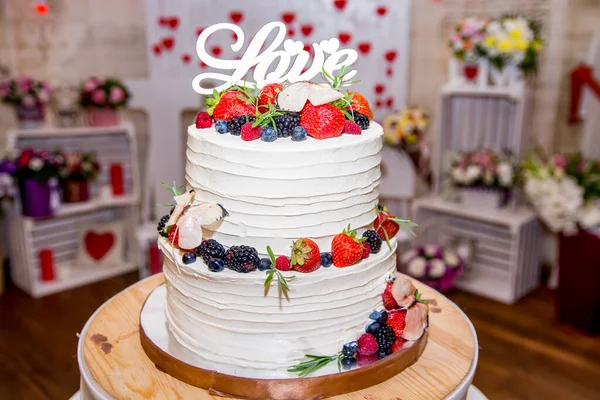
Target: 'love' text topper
[284,70]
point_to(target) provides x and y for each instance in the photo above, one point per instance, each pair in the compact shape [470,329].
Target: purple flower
[8,167]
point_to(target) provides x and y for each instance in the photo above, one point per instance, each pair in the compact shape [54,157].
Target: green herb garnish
[282,281]
[314,363]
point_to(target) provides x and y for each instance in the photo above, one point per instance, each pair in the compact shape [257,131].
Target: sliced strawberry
[388,300]
[397,321]
[174,235]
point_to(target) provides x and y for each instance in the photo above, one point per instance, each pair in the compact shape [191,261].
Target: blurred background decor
[65,101]
[101,98]
[28,97]
[433,265]
[76,173]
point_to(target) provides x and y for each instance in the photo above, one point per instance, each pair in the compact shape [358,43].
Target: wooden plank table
[114,365]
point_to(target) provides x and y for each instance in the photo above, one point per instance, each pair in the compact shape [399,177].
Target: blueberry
[221,126]
[326,260]
[348,363]
[374,315]
[349,349]
[382,317]
[374,327]
[298,134]
[188,258]
[216,265]
[268,134]
[382,353]
[264,264]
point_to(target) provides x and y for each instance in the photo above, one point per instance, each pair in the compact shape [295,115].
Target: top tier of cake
[281,191]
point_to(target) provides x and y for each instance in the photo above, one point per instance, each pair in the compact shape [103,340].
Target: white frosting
[280,191]
[226,320]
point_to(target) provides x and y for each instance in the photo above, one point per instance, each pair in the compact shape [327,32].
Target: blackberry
[161,224]
[361,120]
[210,249]
[385,337]
[242,258]
[235,124]
[285,124]
[383,353]
[373,239]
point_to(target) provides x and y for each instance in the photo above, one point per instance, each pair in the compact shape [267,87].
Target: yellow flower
[411,139]
[537,45]
[520,44]
[490,41]
[505,45]
[516,34]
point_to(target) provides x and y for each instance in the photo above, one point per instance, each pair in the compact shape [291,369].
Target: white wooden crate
[507,252]
[60,233]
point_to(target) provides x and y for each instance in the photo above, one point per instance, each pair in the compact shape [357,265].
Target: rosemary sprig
[404,224]
[282,281]
[174,190]
[337,81]
[344,103]
[314,363]
[266,117]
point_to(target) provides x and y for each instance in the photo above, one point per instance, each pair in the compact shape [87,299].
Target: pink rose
[99,97]
[559,161]
[24,83]
[90,85]
[116,94]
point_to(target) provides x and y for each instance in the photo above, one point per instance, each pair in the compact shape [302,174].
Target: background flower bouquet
[8,167]
[101,97]
[433,265]
[466,41]
[77,170]
[29,98]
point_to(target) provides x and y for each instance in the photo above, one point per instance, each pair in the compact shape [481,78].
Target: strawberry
[268,95]
[249,133]
[397,346]
[388,300]
[367,344]
[360,104]
[397,321]
[173,235]
[282,263]
[203,120]
[226,105]
[383,222]
[306,256]
[352,128]
[322,122]
[346,248]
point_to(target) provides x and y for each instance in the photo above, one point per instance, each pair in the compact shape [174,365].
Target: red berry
[384,222]
[352,128]
[282,263]
[363,361]
[367,344]
[346,249]
[388,300]
[366,250]
[322,122]
[267,96]
[173,235]
[203,120]
[306,256]
[229,104]
[397,321]
[398,344]
[249,133]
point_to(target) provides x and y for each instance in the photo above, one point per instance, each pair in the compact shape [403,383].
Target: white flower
[409,255]
[472,173]
[416,268]
[589,216]
[431,250]
[488,177]
[437,269]
[36,164]
[458,175]
[451,258]
[505,174]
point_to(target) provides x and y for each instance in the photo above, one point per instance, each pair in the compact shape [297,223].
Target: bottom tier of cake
[233,325]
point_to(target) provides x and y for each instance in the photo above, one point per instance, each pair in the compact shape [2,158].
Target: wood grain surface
[116,360]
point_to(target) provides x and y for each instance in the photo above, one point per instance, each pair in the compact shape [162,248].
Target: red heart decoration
[307,47]
[186,58]
[173,22]
[291,32]
[202,64]
[339,4]
[98,244]
[344,37]
[389,71]
[364,47]
[288,17]
[168,42]
[389,102]
[199,30]
[378,103]
[390,55]
[379,88]
[156,49]
[306,29]
[236,16]
[162,21]
[381,11]
[216,50]
[234,36]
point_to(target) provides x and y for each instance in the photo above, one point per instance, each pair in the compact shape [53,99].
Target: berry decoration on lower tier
[264,264]
[210,249]
[242,258]
[326,260]
[188,257]
[346,248]
[306,256]
[282,263]
[216,265]
[387,225]
[373,240]
[162,223]
[273,273]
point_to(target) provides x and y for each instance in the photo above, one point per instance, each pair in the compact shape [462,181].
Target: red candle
[116,179]
[154,255]
[47,264]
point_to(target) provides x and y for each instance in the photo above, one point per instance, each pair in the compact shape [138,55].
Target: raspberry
[373,239]
[249,133]
[203,120]
[352,128]
[367,344]
[398,344]
[366,250]
[363,360]
[282,263]
[397,321]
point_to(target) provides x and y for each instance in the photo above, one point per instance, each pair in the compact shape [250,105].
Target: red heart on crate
[379,88]
[344,37]
[339,4]
[364,47]
[156,49]
[391,55]
[288,17]
[236,16]
[173,22]
[168,42]
[186,58]
[381,11]
[216,50]
[306,29]
[98,245]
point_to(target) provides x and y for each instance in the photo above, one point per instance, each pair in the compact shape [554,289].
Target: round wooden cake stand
[113,364]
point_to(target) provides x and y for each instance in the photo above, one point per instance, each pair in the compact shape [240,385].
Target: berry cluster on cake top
[293,111]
